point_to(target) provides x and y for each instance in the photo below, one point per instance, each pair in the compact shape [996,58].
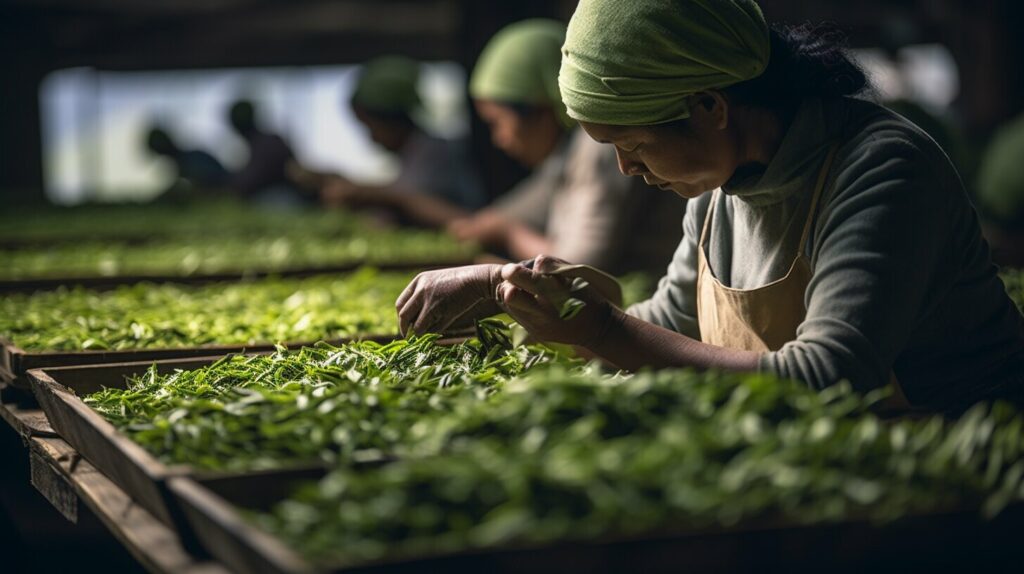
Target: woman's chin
[685,191]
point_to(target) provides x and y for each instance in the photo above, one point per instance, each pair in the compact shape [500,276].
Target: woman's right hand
[336,192]
[448,299]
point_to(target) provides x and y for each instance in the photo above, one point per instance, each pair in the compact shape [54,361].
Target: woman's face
[383,133]
[690,157]
[526,137]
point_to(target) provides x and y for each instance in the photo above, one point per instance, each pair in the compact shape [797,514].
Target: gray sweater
[902,279]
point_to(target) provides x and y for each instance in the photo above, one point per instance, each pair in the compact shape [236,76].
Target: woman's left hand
[532,297]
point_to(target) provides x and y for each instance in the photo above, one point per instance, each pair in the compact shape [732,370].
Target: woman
[825,237]
[194,168]
[266,177]
[436,181]
[575,204]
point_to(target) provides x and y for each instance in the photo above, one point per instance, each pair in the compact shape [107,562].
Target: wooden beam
[62,474]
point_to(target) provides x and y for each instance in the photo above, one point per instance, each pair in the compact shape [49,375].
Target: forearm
[631,343]
[412,206]
[524,243]
[308,179]
[426,210]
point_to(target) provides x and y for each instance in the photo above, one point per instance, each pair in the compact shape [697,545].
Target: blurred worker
[265,177]
[1001,192]
[196,167]
[575,203]
[385,100]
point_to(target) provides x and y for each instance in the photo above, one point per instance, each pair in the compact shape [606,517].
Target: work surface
[67,481]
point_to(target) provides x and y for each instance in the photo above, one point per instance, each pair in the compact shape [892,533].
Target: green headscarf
[520,66]
[388,85]
[1001,180]
[633,62]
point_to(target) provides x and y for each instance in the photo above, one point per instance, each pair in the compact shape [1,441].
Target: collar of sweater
[794,167]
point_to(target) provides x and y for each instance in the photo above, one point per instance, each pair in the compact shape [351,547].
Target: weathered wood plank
[154,545]
[54,487]
[26,421]
[63,475]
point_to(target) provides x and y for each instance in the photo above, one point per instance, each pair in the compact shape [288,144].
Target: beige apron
[765,318]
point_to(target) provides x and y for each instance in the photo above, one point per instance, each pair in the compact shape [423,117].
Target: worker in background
[193,168]
[827,239]
[1000,193]
[265,177]
[575,203]
[385,100]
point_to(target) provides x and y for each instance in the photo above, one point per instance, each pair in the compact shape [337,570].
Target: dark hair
[159,141]
[400,118]
[521,109]
[806,61]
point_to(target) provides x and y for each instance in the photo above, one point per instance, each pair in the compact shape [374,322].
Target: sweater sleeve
[879,255]
[674,304]
[591,215]
[530,200]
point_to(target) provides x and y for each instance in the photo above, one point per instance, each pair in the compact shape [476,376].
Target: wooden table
[66,480]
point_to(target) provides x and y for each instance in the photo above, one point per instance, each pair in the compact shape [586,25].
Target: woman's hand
[306,178]
[335,192]
[535,299]
[448,299]
[339,192]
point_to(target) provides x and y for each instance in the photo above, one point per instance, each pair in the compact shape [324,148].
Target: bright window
[95,123]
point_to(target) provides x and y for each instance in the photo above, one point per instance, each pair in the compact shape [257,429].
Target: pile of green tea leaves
[147,316]
[296,249]
[211,217]
[355,402]
[562,455]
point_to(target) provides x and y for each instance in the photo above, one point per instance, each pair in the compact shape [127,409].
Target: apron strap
[818,187]
[707,221]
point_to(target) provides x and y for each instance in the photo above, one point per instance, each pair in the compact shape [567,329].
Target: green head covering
[388,85]
[633,62]
[520,66]
[1001,179]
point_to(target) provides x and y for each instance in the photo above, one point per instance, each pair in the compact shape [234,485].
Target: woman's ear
[714,106]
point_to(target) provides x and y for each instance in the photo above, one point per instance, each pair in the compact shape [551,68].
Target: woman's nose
[500,139]
[627,165]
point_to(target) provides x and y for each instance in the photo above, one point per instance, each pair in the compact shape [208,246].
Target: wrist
[493,280]
[607,315]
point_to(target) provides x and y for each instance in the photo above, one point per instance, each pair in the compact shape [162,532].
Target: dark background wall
[39,36]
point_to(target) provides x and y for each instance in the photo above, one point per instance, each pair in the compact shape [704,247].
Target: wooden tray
[126,463]
[205,511]
[214,526]
[15,363]
[140,474]
[940,541]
